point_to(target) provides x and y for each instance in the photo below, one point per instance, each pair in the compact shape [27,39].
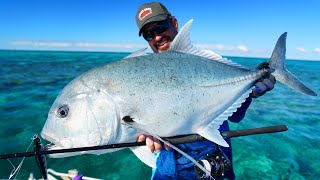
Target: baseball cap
[151,12]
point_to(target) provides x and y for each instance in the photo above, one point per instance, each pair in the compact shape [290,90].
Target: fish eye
[63,111]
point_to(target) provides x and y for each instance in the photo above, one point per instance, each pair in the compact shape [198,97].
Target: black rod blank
[247,132]
[173,140]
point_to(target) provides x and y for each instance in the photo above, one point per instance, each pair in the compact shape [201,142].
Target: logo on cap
[144,13]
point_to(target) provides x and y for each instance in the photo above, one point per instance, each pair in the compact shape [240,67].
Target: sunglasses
[159,28]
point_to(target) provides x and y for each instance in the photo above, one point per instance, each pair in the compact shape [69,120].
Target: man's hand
[152,143]
[264,84]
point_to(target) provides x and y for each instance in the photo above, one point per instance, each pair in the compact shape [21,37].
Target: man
[158,27]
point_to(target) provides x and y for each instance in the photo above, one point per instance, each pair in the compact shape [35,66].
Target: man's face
[162,41]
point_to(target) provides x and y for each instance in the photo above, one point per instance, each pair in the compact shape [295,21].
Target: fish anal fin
[213,134]
[211,130]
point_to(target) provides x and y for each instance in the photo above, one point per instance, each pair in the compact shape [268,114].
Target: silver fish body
[172,93]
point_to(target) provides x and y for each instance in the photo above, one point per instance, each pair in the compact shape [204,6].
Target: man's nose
[157,37]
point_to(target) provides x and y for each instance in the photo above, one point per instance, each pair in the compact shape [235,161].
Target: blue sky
[229,27]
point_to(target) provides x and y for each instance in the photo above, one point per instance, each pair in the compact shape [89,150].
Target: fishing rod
[173,140]
[40,151]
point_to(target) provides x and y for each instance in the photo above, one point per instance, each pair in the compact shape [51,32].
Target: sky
[245,28]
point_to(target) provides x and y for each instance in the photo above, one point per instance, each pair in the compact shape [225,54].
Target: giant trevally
[182,91]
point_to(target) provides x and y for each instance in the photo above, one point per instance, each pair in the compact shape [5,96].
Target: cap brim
[159,17]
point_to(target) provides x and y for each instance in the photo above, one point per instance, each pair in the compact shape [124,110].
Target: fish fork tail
[277,63]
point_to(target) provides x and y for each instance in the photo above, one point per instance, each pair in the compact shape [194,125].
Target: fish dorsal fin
[211,131]
[182,43]
[141,52]
[211,55]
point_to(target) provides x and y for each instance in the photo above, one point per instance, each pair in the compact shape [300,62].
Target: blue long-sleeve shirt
[172,165]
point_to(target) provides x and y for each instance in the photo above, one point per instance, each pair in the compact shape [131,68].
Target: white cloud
[300,49]
[108,45]
[33,43]
[88,45]
[317,50]
[242,48]
[78,44]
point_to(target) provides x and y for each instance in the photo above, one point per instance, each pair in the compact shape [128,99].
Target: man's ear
[175,23]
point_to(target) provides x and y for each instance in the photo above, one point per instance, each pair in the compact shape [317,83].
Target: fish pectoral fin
[127,111]
[142,152]
[132,122]
[128,119]
[145,155]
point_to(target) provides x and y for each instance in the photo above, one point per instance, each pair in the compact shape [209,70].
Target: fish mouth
[51,146]
[54,144]
[48,138]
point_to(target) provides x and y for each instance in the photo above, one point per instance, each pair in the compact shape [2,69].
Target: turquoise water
[30,81]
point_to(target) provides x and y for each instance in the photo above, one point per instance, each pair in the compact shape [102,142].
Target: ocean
[31,80]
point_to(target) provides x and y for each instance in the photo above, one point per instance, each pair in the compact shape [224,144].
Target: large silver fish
[182,91]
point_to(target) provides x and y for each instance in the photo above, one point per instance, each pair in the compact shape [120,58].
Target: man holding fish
[182,91]
[159,28]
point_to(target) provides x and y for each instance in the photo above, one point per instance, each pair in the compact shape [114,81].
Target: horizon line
[129,52]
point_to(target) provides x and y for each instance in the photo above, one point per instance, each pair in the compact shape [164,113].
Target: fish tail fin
[277,63]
